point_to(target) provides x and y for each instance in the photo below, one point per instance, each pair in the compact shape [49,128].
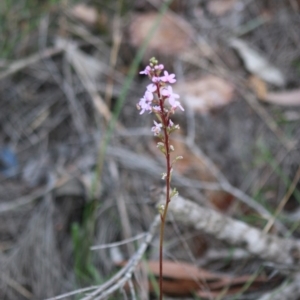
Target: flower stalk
[160,99]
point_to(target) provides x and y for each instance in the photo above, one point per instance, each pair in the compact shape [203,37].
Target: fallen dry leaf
[181,270]
[286,98]
[86,14]
[220,200]
[205,94]
[172,37]
[90,16]
[258,86]
[256,64]
[220,7]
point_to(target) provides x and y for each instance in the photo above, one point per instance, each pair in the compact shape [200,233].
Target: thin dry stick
[111,245]
[283,202]
[73,293]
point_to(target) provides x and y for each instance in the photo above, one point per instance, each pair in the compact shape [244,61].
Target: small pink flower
[170,123]
[146,71]
[168,92]
[151,88]
[168,77]
[174,104]
[148,96]
[159,67]
[145,102]
[155,79]
[144,105]
[157,128]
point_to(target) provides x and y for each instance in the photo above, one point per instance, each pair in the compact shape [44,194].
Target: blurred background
[79,166]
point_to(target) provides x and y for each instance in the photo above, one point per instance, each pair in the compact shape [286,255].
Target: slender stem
[161,240]
[165,121]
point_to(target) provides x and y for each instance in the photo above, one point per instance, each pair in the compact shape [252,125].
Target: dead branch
[266,246]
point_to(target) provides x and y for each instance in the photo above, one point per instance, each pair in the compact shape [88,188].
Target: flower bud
[161,209]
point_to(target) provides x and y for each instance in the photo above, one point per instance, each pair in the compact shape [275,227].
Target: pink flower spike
[151,88]
[157,128]
[168,77]
[146,71]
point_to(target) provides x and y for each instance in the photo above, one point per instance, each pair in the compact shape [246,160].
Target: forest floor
[79,166]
